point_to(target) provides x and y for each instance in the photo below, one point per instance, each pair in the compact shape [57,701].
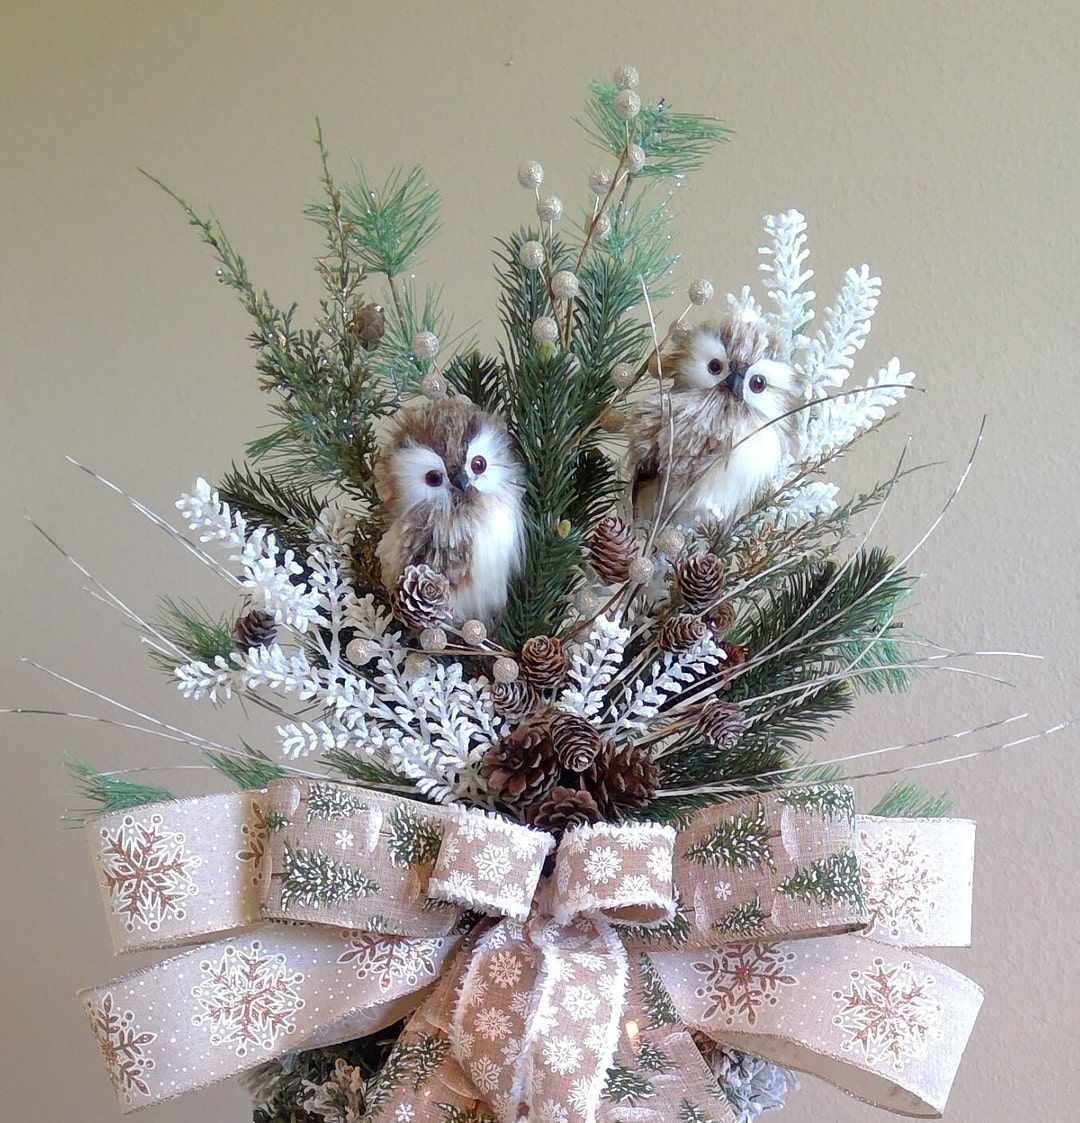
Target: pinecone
[612,547]
[543,661]
[256,629]
[513,700]
[722,723]
[421,597]
[701,581]
[368,326]
[564,808]
[620,779]
[576,741]
[722,618]
[680,633]
[522,768]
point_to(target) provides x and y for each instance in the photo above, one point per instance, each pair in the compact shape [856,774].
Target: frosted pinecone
[576,741]
[563,809]
[612,547]
[421,597]
[752,1085]
[544,662]
[680,633]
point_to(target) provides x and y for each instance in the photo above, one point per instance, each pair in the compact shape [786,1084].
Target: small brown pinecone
[256,629]
[680,633]
[620,779]
[368,326]
[513,700]
[735,654]
[612,547]
[522,768]
[721,723]
[701,581]
[421,597]
[543,661]
[576,741]
[722,618]
[563,809]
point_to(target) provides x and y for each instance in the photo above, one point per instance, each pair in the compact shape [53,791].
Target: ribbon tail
[217,1010]
[886,1025]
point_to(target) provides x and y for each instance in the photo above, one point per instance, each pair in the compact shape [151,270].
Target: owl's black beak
[736,377]
[460,480]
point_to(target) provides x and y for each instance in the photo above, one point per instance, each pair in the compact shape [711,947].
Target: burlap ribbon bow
[573,1000]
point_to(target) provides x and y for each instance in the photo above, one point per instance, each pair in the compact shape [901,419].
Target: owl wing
[645,455]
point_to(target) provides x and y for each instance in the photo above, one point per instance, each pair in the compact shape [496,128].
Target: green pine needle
[109,792]
[289,510]
[908,801]
[190,627]
[253,770]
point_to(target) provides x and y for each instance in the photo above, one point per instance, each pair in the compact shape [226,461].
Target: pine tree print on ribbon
[691,1113]
[828,881]
[672,933]
[123,1045]
[737,843]
[653,1058]
[831,801]
[623,1084]
[745,922]
[657,1001]
[310,878]
[414,839]
[452,1114]
[247,998]
[147,872]
[329,801]
[411,1063]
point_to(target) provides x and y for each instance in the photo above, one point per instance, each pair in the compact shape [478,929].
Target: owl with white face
[720,441]
[451,484]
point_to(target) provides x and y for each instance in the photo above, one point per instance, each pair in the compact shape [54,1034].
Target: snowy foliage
[199,679]
[670,676]
[802,504]
[831,354]
[836,423]
[593,664]
[787,254]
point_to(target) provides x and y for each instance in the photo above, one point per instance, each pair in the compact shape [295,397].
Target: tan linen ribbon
[769,868]
[218,1010]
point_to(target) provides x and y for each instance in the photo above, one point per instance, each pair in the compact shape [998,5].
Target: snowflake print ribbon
[781,924]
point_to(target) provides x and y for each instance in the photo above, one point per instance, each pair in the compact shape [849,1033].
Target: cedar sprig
[905,800]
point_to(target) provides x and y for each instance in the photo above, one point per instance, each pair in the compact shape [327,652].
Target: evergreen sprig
[194,630]
[254,769]
[674,143]
[289,510]
[905,800]
[109,792]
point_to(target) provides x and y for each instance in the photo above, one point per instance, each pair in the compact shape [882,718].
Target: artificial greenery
[905,800]
[108,792]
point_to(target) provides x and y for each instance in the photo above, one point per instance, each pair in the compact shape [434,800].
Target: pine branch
[479,378]
[674,143]
[908,801]
[191,628]
[288,510]
[108,792]
[363,769]
[254,770]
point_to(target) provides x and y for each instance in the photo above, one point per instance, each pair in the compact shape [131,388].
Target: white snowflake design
[247,998]
[504,969]
[562,1055]
[899,882]
[602,864]
[580,1002]
[389,960]
[493,1023]
[493,862]
[888,1013]
[485,1075]
[344,839]
[723,890]
[147,871]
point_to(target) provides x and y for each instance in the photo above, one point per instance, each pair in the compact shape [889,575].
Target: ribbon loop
[489,864]
[622,873]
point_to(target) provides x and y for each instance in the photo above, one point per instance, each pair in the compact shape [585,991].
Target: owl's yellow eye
[478,465]
[434,479]
[757,383]
[716,366]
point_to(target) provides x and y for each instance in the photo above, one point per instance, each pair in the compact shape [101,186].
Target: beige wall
[936,141]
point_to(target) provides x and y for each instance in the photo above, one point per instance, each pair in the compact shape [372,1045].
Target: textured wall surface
[936,141]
